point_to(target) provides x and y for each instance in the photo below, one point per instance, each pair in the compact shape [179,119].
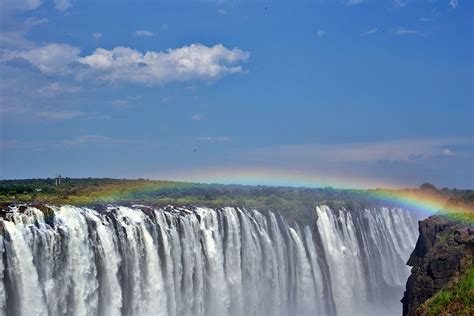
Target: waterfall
[139,260]
[366,253]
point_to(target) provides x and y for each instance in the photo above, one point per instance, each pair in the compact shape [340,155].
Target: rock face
[444,249]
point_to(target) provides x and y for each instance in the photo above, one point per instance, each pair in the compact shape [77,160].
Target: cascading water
[200,261]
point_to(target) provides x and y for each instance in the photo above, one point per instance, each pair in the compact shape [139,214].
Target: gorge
[141,260]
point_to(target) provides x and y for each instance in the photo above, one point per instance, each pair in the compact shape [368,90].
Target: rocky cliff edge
[444,252]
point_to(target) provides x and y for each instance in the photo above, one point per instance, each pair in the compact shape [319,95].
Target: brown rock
[443,250]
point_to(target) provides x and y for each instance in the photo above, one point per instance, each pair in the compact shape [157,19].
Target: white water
[201,261]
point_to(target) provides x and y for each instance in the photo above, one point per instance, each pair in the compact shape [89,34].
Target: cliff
[444,255]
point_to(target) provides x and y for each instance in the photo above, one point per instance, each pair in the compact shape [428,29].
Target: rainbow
[427,202]
[424,201]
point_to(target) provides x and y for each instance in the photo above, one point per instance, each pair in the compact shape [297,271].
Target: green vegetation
[456,299]
[294,203]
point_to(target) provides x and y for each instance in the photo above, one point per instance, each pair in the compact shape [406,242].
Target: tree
[428,187]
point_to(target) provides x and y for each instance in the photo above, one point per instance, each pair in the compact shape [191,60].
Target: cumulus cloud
[96,35]
[144,33]
[50,59]
[370,32]
[123,64]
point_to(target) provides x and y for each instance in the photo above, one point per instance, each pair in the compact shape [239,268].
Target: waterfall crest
[201,261]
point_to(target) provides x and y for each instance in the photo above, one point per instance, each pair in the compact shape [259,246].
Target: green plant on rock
[456,299]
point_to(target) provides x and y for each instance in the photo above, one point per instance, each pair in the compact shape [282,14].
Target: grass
[456,299]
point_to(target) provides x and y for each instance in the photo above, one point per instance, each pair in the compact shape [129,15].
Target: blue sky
[369,90]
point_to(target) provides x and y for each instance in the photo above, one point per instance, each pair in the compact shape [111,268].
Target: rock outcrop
[444,249]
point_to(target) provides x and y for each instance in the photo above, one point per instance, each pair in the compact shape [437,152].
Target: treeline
[294,203]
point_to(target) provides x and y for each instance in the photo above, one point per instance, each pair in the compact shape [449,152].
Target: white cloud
[14,39]
[14,36]
[447,152]
[370,32]
[400,3]
[405,31]
[34,21]
[30,5]
[20,5]
[167,99]
[62,5]
[123,64]
[222,11]
[60,143]
[50,59]
[96,35]
[426,20]
[84,139]
[59,115]
[194,62]
[197,117]
[395,163]
[320,33]
[217,139]
[354,2]
[454,3]
[80,140]
[119,103]
[368,152]
[55,88]
[144,33]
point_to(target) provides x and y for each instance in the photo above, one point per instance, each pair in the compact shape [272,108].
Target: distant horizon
[250,184]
